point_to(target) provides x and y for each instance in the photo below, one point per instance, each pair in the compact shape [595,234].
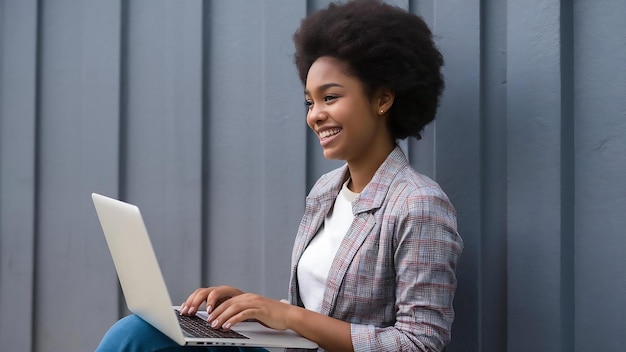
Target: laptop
[147,296]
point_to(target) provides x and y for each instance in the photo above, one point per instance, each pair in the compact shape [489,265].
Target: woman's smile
[327,135]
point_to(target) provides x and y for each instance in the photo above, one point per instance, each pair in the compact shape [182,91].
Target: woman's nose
[316,114]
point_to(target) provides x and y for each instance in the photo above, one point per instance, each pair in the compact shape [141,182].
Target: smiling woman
[374,260]
[351,125]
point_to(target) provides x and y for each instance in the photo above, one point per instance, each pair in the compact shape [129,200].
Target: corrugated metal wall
[193,110]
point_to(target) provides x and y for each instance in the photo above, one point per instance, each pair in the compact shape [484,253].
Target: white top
[316,260]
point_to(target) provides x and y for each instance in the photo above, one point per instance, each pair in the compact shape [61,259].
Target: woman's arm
[330,333]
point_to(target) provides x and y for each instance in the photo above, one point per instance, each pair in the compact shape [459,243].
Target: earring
[382,111]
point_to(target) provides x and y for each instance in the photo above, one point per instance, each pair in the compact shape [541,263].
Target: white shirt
[318,257]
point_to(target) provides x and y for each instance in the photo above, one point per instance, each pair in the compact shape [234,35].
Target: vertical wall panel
[235,125]
[18,50]
[534,176]
[163,133]
[493,252]
[457,151]
[284,169]
[79,85]
[256,133]
[600,120]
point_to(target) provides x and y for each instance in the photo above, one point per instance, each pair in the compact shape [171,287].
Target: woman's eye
[308,103]
[330,98]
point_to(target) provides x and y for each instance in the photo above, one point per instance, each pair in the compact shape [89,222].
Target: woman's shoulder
[413,187]
[412,181]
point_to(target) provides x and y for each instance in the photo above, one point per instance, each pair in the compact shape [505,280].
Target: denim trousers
[133,334]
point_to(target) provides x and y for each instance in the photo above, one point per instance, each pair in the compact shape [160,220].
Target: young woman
[374,260]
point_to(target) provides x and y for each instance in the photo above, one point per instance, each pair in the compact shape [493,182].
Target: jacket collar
[373,194]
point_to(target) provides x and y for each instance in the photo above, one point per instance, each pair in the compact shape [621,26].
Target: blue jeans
[133,334]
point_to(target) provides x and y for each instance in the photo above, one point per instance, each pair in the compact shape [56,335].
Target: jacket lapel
[318,204]
[360,229]
[364,207]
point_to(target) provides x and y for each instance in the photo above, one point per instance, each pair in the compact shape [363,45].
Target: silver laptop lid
[136,265]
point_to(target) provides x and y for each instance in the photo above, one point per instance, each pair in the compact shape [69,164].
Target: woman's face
[349,125]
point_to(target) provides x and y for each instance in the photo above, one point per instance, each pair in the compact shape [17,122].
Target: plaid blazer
[393,277]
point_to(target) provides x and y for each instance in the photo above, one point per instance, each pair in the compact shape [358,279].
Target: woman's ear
[384,100]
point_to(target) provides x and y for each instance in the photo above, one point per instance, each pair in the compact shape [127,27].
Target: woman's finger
[219,295]
[193,302]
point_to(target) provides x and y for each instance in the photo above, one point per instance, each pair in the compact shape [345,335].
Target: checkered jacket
[393,277]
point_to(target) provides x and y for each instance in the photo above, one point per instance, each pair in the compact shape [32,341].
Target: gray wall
[193,111]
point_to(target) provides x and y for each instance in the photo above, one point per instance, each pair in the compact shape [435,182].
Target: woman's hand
[245,306]
[228,306]
[213,296]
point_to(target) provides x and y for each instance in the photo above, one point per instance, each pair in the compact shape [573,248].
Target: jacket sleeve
[427,247]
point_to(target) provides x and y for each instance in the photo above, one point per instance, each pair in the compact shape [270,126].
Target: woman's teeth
[329,133]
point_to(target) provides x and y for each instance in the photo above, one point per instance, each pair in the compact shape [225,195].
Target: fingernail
[226,326]
[214,324]
[209,309]
[191,310]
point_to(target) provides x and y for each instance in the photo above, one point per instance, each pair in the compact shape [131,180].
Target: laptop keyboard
[198,327]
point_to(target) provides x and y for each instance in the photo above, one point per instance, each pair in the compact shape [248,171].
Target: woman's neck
[362,171]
